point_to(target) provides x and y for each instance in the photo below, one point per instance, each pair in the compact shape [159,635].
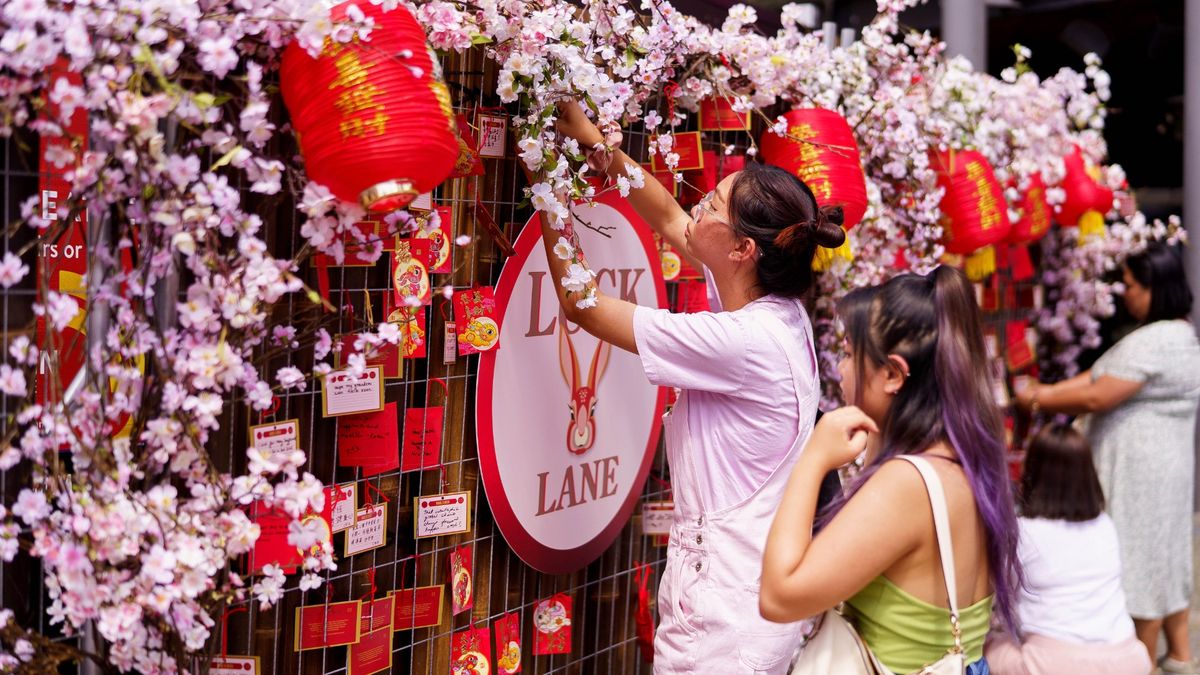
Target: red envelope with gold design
[441,240]
[475,319]
[471,652]
[410,273]
[507,630]
[552,626]
[462,583]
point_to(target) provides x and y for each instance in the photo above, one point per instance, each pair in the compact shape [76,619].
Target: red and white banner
[66,256]
[567,425]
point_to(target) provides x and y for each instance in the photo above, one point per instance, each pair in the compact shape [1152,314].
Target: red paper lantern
[373,120]
[821,151]
[973,206]
[1035,214]
[1083,191]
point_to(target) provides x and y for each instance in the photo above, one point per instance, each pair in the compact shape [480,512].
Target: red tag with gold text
[410,273]
[441,240]
[327,625]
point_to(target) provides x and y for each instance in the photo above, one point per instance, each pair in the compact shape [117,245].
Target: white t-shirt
[1073,575]
[741,397]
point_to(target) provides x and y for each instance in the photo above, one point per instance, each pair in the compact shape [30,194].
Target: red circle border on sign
[535,554]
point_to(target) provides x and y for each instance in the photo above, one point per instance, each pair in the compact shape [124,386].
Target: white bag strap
[941,524]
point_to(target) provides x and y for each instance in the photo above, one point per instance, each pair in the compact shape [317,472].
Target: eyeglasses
[705,205]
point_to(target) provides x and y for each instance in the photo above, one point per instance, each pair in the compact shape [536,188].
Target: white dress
[1145,457]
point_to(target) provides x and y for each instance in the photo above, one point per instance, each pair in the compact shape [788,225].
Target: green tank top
[907,633]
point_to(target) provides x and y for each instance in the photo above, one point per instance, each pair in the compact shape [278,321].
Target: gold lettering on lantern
[813,171]
[1041,219]
[989,213]
[358,99]
[351,71]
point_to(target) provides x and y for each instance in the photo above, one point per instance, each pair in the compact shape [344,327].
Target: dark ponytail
[779,212]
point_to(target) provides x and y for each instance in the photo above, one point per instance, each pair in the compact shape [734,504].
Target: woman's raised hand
[840,436]
[573,123]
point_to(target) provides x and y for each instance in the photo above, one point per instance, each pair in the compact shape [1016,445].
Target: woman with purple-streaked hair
[916,371]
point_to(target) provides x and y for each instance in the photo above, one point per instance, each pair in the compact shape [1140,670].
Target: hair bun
[828,230]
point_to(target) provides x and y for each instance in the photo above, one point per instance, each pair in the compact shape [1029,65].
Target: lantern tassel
[1091,224]
[824,257]
[981,263]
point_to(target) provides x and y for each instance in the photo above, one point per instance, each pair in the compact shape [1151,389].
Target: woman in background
[1072,608]
[1142,395]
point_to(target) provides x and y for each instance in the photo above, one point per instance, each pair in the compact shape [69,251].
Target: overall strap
[941,524]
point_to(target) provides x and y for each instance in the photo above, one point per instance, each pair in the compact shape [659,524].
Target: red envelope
[410,272]
[552,625]
[272,547]
[327,625]
[422,448]
[1018,353]
[462,583]
[508,643]
[475,319]
[471,652]
[413,336]
[441,241]
[370,440]
[468,163]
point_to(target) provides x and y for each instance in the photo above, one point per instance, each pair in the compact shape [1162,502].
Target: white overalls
[708,598]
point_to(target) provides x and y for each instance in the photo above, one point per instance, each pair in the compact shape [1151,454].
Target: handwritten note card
[422,439]
[234,665]
[345,394]
[657,517]
[369,531]
[277,438]
[442,514]
[370,441]
[493,132]
[341,505]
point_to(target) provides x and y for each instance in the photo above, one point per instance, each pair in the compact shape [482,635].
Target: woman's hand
[573,123]
[840,436]
[1026,397]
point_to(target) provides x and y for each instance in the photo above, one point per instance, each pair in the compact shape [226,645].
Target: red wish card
[378,613]
[328,625]
[717,114]
[471,652]
[272,547]
[418,607]
[664,177]
[508,643]
[372,653]
[1018,351]
[552,625]
[475,318]
[441,240]
[462,585]
[422,440]
[370,441]
[410,273]
[691,155]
